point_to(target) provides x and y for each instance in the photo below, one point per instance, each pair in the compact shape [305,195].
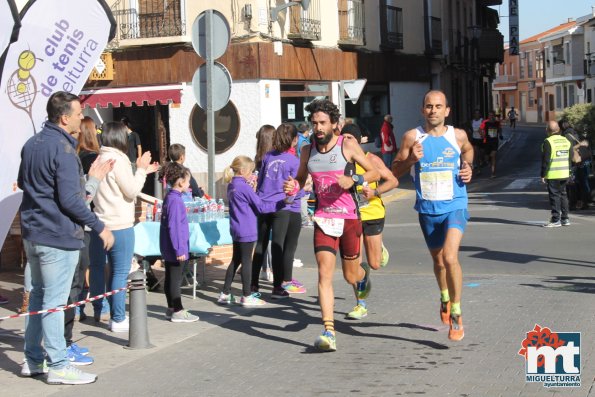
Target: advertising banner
[9,27]
[58,45]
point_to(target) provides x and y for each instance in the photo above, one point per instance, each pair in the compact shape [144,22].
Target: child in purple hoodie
[244,204]
[174,235]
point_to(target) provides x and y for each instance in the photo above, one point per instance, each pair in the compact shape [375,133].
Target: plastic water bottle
[212,210]
[158,214]
[220,209]
[149,213]
[202,217]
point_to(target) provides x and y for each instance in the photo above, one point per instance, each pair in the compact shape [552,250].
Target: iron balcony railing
[305,24]
[351,22]
[142,19]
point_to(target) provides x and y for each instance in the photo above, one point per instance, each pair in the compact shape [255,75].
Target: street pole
[210,113]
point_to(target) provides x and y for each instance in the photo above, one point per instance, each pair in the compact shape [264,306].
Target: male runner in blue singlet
[442,158]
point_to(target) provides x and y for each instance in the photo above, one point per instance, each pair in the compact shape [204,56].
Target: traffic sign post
[211,82]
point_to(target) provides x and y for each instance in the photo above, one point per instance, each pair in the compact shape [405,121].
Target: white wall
[257,102]
[405,106]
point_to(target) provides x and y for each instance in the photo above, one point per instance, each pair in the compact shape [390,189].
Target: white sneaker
[122,326]
[183,316]
[34,370]
[70,375]
[226,299]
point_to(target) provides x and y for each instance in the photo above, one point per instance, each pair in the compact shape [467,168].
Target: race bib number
[492,132]
[330,226]
[436,185]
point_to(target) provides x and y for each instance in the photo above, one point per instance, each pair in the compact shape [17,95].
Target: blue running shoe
[77,359]
[83,351]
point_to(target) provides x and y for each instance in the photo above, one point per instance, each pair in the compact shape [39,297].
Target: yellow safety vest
[559,167]
[372,208]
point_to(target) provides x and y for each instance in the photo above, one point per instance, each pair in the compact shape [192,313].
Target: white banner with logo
[9,26]
[58,45]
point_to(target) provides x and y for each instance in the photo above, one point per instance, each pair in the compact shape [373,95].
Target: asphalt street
[516,275]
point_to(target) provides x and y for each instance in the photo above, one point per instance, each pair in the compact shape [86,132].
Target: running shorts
[348,243]
[434,227]
[373,227]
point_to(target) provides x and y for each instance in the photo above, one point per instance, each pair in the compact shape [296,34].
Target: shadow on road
[515,257]
[567,283]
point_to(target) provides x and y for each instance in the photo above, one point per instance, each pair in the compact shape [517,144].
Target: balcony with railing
[559,68]
[304,25]
[145,19]
[351,22]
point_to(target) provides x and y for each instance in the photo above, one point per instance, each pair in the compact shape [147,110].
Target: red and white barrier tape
[61,309]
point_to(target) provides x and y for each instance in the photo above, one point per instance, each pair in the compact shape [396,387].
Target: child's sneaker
[183,316]
[279,293]
[76,358]
[293,288]
[226,299]
[252,300]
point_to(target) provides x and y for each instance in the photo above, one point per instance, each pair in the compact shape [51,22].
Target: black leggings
[286,227]
[173,284]
[242,255]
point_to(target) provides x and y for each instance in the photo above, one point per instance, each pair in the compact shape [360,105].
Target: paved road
[516,275]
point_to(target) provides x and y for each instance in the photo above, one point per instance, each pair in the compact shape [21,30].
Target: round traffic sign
[219,39]
[221,86]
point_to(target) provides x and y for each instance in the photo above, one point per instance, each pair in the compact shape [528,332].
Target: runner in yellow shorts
[372,213]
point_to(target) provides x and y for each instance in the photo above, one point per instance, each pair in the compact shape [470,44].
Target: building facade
[282,56]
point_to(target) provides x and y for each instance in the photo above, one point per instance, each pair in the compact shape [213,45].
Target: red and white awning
[140,96]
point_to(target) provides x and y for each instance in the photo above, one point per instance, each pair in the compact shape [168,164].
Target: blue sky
[536,16]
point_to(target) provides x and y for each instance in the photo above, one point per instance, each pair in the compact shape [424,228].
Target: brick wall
[12,254]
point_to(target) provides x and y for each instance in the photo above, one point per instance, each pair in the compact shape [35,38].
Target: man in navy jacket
[53,212]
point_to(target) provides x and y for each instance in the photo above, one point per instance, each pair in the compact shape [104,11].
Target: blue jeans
[52,270]
[120,259]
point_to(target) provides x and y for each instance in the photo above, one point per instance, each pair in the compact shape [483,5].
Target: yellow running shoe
[358,312]
[326,342]
[385,257]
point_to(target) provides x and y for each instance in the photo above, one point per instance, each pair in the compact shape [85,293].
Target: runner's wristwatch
[357,179]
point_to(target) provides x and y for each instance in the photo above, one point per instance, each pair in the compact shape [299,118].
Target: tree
[582,118]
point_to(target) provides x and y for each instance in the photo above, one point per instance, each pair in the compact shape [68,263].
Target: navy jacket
[53,210]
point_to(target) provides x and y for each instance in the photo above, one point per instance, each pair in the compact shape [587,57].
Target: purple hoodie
[174,232]
[244,204]
[276,168]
